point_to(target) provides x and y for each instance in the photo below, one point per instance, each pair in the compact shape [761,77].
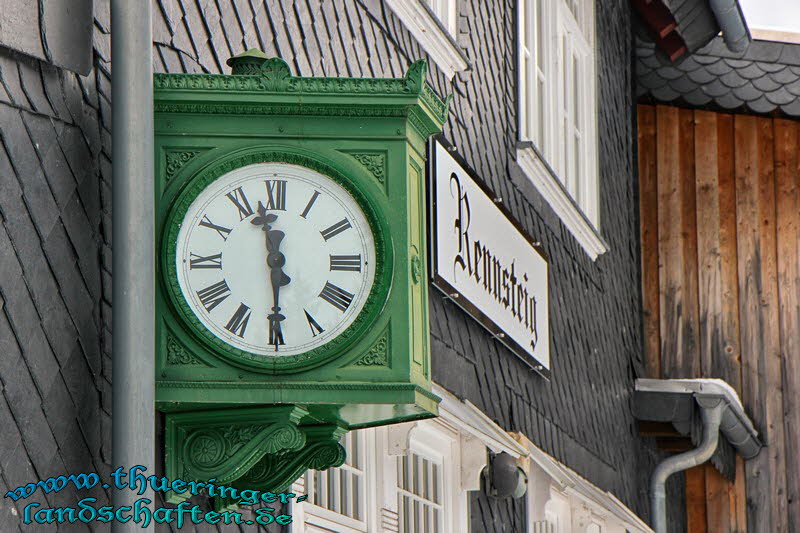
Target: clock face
[275,259]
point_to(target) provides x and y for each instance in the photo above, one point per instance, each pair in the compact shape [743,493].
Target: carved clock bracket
[261,448]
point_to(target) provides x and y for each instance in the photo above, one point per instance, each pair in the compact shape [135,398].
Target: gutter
[133,240]
[721,412]
[731,21]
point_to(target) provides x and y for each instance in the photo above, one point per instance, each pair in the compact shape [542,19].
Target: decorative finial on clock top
[247,63]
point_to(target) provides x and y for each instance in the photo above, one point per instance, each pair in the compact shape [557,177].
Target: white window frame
[433,23]
[446,11]
[313,517]
[549,31]
[535,69]
[437,441]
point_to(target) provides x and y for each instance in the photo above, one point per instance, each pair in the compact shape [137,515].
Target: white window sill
[562,203]
[430,34]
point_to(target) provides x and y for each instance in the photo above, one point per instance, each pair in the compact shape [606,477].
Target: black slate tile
[784,77]
[54,91]
[162,28]
[67,29]
[229,21]
[665,93]
[780,97]
[670,73]
[747,92]
[59,409]
[719,68]
[771,67]
[733,80]
[765,84]
[22,14]
[729,101]
[704,59]
[751,71]
[764,51]
[682,85]
[761,105]
[792,108]
[790,55]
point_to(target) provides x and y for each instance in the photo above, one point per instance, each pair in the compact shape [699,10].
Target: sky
[781,15]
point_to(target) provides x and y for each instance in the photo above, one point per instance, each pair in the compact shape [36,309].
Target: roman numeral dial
[222,231]
[346,263]
[273,260]
[336,296]
[240,201]
[211,261]
[276,195]
[239,320]
[214,294]
[335,229]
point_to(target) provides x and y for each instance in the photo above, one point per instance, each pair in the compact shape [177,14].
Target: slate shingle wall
[55,249]
[763,79]
[55,380]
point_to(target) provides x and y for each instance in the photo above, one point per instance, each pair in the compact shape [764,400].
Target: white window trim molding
[546,476]
[430,34]
[561,202]
[551,481]
[468,418]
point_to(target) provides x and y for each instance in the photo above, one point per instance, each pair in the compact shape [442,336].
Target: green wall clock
[278,262]
[292,303]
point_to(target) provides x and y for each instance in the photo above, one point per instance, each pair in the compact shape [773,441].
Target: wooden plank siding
[648,226]
[677,241]
[720,236]
[787,184]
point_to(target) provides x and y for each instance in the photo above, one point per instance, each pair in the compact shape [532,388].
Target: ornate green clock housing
[292,302]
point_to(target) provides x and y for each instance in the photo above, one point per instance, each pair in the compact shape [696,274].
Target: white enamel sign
[485,263]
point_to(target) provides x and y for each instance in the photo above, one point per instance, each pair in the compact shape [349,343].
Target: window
[534,29]
[419,493]
[430,498]
[434,25]
[416,490]
[339,497]
[445,11]
[557,110]
[341,490]
[576,166]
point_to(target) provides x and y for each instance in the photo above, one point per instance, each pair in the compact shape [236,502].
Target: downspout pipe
[712,409]
[731,21]
[133,240]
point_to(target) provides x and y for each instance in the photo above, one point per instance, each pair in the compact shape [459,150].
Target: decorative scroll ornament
[261,448]
[378,355]
[275,473]
[177,355]
[374,162]
[177,159]
[416,269]
[276,74]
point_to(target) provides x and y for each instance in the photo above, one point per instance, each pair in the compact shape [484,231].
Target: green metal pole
[133,348]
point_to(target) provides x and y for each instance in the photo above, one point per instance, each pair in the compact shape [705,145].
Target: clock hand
[278,278]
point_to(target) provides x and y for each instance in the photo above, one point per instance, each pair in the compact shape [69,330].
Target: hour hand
[263,219]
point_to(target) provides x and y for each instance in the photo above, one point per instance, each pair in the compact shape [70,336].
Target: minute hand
[275,261]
